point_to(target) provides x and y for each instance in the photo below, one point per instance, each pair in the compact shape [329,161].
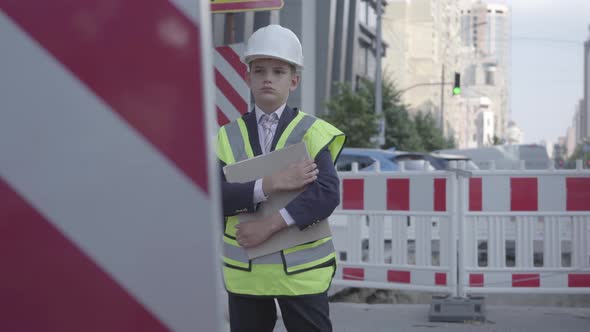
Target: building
[514,134]
[585,104]
[570,144]
[486,126]
[486,35]
[579,121]
[559,151]
[423,57]
[431,40]
[338,38]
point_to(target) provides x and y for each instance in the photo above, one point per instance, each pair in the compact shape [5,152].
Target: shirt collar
[260,113]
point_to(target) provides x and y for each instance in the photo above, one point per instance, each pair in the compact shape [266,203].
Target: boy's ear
[295,79]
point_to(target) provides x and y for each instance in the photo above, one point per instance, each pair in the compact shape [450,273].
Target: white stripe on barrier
[552,193]
[499,188]
[421,194]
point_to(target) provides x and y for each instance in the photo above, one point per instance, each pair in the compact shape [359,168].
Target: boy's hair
[294,69]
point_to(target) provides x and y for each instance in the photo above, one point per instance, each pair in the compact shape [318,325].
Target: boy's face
[271,81]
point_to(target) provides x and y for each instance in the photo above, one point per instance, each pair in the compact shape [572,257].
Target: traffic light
[457,84]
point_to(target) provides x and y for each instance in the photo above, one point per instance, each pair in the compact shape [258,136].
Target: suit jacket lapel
[252,126]
[288,115]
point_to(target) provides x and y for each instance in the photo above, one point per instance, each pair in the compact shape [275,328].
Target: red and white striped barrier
[394,192]
[547,281]
[398,216]
[551,192]
[106,193]
[232,95]
[384,231]
[536,210]
[402,278]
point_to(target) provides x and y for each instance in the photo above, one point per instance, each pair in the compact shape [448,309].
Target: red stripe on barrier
[475,194]
[352,273]
[398,194]
[578,280]
[222,120]
[476,280]
[353,194]
[526,280]
[48,284]
[398,276]
[440,279]
[148,72]
[578,194]
[234,60]
[230,93]
[523,194]
[440,194]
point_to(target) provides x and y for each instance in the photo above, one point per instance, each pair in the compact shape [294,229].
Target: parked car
[441,161]
[413,161]
[366,158]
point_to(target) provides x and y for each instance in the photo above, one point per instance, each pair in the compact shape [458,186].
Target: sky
[547,77]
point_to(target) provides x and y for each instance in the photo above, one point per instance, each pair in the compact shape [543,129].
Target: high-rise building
[486,35]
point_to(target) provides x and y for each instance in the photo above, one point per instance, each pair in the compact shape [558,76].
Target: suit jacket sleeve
[320,198]
[236,197]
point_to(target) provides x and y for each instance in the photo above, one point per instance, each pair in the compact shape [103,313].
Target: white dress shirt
[259,195]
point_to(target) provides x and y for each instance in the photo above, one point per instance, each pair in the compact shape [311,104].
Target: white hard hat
[274,41]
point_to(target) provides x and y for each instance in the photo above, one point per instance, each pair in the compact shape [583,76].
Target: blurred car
[413,161]
[366,158]
[390,160]
[441,161]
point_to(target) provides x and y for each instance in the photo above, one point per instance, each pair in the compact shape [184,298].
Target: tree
[497,140]
[354,113]
[432,137]
[400,131]
[351,113]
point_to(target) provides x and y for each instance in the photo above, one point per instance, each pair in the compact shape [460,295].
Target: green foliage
[497,140]
[432,137]
[350,112]
[353,112]
[400,131]
[579,154]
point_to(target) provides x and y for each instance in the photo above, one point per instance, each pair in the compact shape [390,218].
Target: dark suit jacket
[315,203]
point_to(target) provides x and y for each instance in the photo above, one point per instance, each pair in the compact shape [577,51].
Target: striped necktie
[267,121]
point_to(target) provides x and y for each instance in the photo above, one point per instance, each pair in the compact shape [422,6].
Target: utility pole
[442,99]
[378,91]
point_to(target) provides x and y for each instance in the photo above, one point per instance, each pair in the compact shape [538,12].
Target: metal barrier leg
[458,307]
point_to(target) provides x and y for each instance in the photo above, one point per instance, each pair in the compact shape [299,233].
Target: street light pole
[380,141]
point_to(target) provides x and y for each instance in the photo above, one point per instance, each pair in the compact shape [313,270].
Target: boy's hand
[296,176]
[252,233]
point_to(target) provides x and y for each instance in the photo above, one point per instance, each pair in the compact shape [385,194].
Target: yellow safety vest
[300,270]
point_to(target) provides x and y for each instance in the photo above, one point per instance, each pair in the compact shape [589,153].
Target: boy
[297,277]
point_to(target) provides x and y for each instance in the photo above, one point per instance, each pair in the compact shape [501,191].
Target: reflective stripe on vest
[239,255]
[299,258]
[236,131]
[296,130]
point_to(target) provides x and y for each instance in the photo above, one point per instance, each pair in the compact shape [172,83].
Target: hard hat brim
[249,58]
